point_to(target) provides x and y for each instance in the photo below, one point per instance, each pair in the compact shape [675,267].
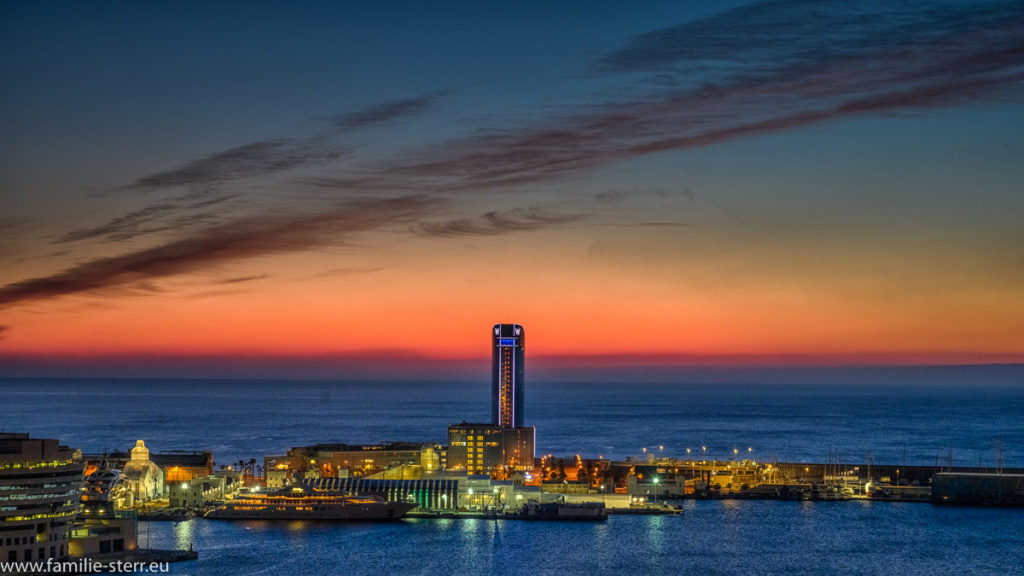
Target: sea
[959,424]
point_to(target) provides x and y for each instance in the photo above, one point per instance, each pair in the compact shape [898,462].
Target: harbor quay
[421,473]
[60,505]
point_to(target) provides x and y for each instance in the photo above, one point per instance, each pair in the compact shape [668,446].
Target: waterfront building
[40,485]
[508,347]
[350,460]
[143,479]
[184,465]
[476,448]
[202,491]
[277,470]
[102,529]
[431,494]
[486,448]
[518,448]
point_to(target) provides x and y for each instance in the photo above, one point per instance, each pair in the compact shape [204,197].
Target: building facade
[429,494]
[103,530]
[350,460]
[485,448]
[184,465]
[144,480]
[508,346]
[40,488]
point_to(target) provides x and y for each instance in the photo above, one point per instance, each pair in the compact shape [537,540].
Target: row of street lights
[704,451]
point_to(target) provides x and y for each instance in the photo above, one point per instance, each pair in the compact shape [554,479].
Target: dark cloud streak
[254,160]
[387,112]
[494,223]
[243,238]
[757,69]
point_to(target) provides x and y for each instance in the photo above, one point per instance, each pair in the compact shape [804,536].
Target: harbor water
[966,425]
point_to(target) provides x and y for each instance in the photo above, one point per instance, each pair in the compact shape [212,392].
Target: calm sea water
[896,424]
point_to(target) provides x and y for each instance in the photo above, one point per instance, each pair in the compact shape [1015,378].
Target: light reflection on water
[184,533]
[710,538]
[897,424]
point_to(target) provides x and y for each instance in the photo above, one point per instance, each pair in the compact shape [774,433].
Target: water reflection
[184,534]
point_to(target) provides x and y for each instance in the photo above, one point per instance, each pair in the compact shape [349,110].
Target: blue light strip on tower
[506,342]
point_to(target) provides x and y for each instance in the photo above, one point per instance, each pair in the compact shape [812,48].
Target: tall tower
[508,345]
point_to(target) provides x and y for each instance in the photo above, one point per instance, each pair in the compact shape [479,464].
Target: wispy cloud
[757,69]
[386,112]
[243,238]
[492,223]
[272,156]
[251,160]
[242,279]
[160,217]
[351,270]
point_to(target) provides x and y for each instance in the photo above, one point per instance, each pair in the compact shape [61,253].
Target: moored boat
[593,511]
[306,504]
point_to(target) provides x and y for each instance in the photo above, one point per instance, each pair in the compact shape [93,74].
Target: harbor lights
[656,482]
[444,501]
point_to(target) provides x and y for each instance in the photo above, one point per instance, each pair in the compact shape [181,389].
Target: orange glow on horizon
[424,309]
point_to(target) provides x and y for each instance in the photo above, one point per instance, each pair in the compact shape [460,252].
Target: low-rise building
[184,465]
[348,460]
[143,479]
[486,448]
[102,529]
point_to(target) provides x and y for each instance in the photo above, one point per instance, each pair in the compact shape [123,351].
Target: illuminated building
[430,494]
[103,529]
[504,443]
[143,478]
[183,465]
[485,448]
[507,351]
[40,488]
[476,448]
[351,460]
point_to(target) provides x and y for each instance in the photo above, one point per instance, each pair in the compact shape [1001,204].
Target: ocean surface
[979,425]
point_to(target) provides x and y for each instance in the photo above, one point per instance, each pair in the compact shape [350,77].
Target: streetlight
[656,482]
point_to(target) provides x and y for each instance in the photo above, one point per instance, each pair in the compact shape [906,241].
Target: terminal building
[352,460]
[486,448]
[40,488]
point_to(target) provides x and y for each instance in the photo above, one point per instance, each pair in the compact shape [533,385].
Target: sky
[349,190]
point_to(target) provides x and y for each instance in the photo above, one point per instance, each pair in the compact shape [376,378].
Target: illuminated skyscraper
[508,345]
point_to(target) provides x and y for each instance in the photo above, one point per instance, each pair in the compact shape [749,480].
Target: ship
[308,504]
[592,511]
